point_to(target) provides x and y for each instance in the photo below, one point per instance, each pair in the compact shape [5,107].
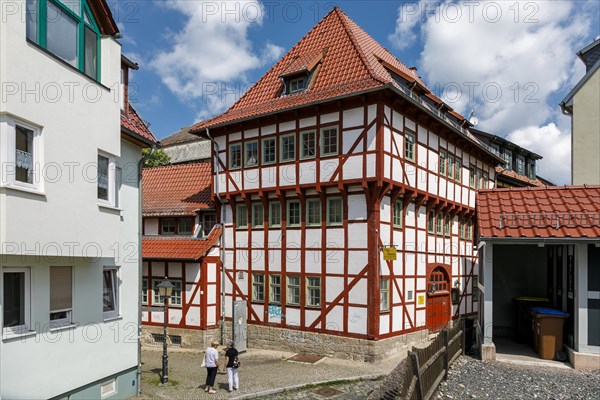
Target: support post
[463,339]
[165,357]
[417,372]
[445,340]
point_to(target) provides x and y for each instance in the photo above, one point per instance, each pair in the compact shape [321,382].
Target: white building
[69,211]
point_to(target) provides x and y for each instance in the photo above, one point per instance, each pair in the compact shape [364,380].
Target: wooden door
[438,301]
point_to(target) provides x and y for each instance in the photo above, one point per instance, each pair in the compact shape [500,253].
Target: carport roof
[541,212]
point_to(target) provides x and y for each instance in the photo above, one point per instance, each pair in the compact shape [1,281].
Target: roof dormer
[301,72]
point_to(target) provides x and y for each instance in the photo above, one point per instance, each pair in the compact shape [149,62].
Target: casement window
[293,290]
[251,154]
[294,213]
[458,170]
[110,292]
[507,156]
[398,210]
[296,85]
[235,156]
[288,147]
[486,180]
[61,296]
[384,295]
[447,226]
[409,146]
[258,215]
[329,141]
[313,291]
[335,211]
[241,216]
[439,224]
[442,162]
[144,291]
[106,182]
[451,166]
[462,227]
[274,214]
[175,299]
[275,289]
[520,165]
[168,226]
[531,170]
[16,301]
[258,287]
[67,29]
[469,234]
[431,222]
[208,222]
[269,151]
[23,154]
[496,148]
[185,226]
[308,144]
[477,178]
[472,178]
[313,212]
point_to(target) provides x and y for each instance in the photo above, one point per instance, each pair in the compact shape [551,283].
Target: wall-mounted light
[456,284]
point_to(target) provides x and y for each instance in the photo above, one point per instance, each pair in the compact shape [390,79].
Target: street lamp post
[165,288]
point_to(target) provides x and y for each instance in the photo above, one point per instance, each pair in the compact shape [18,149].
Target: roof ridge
[344,20]
[178,165]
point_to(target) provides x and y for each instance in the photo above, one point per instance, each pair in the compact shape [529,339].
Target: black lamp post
[165,288]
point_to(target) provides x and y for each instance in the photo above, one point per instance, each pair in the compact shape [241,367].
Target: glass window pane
[61,288]
[109,302]
[14,299]
[268,151]
[308,144]
[103,177]
[24,155]
[185,226]
[236,156]
[288,148]
[32,20]
[251,154]
[275,214]
[61,37]
[91,52]
[73,5]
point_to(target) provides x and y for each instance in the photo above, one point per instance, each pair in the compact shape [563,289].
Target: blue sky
[512,62]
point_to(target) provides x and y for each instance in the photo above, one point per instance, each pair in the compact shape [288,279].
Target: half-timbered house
[337,152]
[180,243]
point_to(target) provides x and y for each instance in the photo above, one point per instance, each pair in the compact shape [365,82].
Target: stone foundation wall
[295,341]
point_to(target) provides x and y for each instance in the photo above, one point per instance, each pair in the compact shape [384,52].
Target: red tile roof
[176,189]
[175,248]
[548,212]
[513,174]
[132,121]
[353,62]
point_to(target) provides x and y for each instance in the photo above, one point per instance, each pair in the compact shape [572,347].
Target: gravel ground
[474,379]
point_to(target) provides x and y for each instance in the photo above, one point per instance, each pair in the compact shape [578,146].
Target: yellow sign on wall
[389,253]
[420,300]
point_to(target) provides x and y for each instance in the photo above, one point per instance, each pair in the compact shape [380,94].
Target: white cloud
[510,61]
[409,15]
[212,51]
[552,144]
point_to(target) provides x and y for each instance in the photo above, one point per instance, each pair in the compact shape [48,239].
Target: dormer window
[296,85]
[67,29]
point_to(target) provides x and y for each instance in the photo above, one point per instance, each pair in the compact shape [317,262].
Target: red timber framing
[370,173]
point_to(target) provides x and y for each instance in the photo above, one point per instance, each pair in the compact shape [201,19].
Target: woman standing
[211,361]
[231,362]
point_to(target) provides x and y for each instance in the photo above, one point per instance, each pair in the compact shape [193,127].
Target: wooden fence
[419,374]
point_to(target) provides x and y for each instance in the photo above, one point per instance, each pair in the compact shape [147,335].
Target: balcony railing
[556,220]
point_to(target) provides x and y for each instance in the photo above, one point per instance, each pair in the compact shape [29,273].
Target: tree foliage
[157,159]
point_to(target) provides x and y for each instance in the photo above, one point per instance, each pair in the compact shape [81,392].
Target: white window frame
[112,185]
[337,141]
[247,164]
[255,285]
[450,166]
[296,80]
[458,172]
[531,169]
[273,285]
[8,144]
[26,327]
[397,217]
[281,144]
[264,153]
[521,169]
[329,213]
[176,300]
[309,203]
[507,155]
[384,293]
[156,298]
[296,287]
[145,291]
[237,216]
[111,385]
[68,320]
[116,290]
[442,162]
[299,212]
[230,156]
[309,288]
[272,213]
[258,208]
[303,136]
[431,221]
[412,142]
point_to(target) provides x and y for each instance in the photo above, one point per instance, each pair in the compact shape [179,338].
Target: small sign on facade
[421,299]
[389,253]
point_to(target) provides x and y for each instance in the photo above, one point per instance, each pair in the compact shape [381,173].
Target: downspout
[140,269]
[222,252]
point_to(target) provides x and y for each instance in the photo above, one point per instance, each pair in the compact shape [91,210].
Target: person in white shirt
[211,362]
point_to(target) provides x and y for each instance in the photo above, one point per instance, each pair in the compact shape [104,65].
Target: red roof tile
[174,248]
[132,121]
[352,62]
[541,212]
[513,174]
[176,189]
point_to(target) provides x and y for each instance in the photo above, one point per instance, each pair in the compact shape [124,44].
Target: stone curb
[297,387]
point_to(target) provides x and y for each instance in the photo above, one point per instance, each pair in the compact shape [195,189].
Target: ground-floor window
[16,300]
[258,287]
[110,292]
[384,295]
[61,296]
[313,291]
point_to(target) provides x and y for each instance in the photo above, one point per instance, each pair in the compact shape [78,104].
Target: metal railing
[556,220]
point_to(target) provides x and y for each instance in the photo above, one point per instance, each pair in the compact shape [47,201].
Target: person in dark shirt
[231,363]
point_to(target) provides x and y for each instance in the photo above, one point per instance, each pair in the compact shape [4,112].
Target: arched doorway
[438,299]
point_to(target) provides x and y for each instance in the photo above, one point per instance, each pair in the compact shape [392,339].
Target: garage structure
[541,242]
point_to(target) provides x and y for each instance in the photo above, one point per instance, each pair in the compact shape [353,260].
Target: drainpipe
[222,252]
[140,264]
